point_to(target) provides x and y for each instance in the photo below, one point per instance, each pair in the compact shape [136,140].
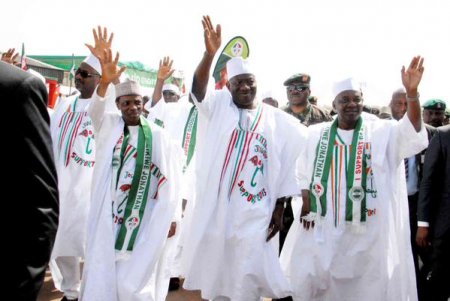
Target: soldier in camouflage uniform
[297,88]
[298,92]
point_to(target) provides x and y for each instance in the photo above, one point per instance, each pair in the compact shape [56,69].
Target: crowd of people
[236,197]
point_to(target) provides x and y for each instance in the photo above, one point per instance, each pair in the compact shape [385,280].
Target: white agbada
[332,262]
[74,149]
[137,275]
[227,254]
[173,117]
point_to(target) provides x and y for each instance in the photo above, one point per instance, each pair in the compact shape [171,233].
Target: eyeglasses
[85,74]
[300,88]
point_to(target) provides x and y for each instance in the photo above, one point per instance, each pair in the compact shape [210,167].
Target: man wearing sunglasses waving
[74,149]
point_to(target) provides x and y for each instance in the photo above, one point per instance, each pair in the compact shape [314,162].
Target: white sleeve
[157,111]
[405,141]
[213,99]
[96,109]
[291,180]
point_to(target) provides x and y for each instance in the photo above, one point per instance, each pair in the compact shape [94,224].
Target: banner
[237,46]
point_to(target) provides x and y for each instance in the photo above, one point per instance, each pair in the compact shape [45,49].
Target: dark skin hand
[172,230]
[276,223]
[10,56]
[306,209]
[422,237]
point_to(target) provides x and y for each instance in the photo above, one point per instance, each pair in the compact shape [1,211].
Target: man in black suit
[30,218]
[434,214]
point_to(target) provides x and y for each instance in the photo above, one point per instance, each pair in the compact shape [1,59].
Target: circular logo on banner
[356,193]
[317,189]
[237,49]
[132,222]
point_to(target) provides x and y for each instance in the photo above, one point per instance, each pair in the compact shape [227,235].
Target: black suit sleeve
[35,185]
[431,171]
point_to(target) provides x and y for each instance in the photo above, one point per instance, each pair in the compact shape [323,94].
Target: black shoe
[174,284]
[65,299]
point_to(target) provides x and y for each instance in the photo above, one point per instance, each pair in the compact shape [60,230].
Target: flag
[23,60]
[71,74]
[237,46]
[72,69]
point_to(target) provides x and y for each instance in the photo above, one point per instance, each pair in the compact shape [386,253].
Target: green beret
[434,104]
[300,78]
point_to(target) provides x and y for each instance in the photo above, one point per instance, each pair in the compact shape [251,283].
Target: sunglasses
[296,87]
[85,74]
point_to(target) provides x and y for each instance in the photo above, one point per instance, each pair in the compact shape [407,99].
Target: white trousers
[67,276]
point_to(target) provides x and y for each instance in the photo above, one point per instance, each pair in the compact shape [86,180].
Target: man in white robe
[134,198]
[74,148]
[353,239]
[246,156]
[179,118]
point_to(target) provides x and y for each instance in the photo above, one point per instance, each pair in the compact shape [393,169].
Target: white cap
[92,61]
[346,85]
[237,66]
[171,87]
[129,87]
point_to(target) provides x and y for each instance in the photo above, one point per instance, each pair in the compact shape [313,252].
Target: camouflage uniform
[312,115]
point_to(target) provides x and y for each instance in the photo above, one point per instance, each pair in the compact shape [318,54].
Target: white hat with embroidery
[129,87]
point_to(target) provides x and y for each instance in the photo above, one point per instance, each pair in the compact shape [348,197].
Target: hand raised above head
[101,40]
[10,56]
[165,68]
[213,37]
[412,76]
[110,69]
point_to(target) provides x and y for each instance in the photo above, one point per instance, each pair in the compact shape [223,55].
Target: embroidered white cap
[345,85]
[171,87]
[92,61]
[129,87]
[237,66]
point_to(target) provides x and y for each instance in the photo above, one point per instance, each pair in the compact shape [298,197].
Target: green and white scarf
[190,136]
[140,186]
[355,210]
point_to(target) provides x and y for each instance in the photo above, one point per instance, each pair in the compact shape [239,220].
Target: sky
[328,39]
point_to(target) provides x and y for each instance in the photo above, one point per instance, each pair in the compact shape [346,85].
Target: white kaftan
[134,275]
[333,262]
[245,162]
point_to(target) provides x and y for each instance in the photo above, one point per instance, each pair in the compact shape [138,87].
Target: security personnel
[298,92]
[434,112]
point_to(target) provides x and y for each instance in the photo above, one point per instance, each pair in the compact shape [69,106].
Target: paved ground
[50,293]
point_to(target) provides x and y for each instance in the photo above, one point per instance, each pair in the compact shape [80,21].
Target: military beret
[434,104]
[301,78]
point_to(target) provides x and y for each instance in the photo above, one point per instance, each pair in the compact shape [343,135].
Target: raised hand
[10,56]
[101,40]
[213,37]
[110,70]
[412,76]
[165,69]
